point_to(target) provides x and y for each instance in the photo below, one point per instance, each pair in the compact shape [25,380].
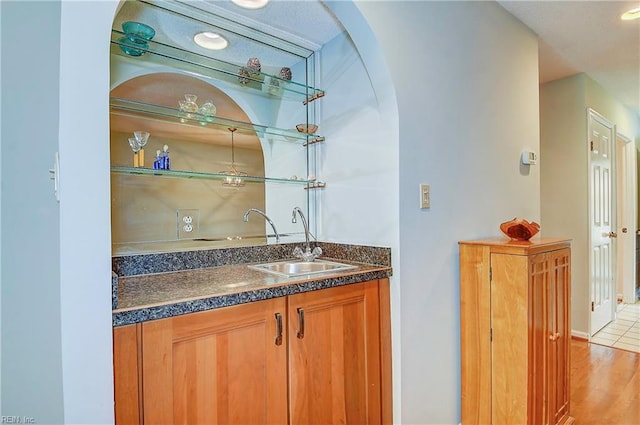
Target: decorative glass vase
[208,109]
[190,104]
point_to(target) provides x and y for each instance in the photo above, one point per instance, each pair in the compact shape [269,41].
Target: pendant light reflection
[250,4]
[631,15]
[234,179]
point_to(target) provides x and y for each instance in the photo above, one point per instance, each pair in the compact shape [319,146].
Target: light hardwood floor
[605,385]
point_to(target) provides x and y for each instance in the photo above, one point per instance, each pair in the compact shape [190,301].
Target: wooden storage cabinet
[515,331]
[315,357]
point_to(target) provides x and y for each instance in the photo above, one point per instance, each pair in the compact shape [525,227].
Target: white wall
[565,172]
[31,349]
[465,75]
[359,158]
[85,247]
[564,167]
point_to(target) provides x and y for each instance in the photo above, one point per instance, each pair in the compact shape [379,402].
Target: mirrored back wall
[150,81]
[188,207]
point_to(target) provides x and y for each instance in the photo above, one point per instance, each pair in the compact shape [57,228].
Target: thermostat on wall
[529,158]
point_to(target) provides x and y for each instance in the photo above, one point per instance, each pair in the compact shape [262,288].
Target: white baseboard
[579,335]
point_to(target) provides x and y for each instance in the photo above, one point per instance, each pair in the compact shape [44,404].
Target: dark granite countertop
[150,296]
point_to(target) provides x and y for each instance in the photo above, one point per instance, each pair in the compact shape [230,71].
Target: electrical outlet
[188,223]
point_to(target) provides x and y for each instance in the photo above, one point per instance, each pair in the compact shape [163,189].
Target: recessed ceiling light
[210,40]
[631,14]
[250,4]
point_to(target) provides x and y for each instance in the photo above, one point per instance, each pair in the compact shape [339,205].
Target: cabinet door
[560,333]
[540,313]
[334,338]
[221,366]
[549,338]
[510,338]
[475,334]
[126,374]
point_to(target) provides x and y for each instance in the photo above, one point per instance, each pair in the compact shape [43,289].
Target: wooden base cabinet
[515,331]
[313,358]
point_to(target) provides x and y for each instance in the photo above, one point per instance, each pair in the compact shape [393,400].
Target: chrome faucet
[307,254]
[257,211]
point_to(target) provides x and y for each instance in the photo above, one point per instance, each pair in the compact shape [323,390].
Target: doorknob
[613,235]
[625,230]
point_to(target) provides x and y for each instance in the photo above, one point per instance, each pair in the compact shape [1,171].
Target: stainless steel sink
[299,268]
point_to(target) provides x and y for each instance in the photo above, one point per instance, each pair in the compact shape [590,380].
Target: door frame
[626,176]
[594,115]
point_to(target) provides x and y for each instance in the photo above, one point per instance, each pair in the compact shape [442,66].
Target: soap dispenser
[166,164]
[157,162]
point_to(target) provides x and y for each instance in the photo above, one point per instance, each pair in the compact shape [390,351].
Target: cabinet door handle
[300,333]
[554,336]
[278,329]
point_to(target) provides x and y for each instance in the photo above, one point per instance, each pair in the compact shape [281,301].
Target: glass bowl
[132,48]
[138,32]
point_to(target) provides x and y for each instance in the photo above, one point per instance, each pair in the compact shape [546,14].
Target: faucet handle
[307,255]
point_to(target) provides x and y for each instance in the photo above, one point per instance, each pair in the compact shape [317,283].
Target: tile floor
[624,332]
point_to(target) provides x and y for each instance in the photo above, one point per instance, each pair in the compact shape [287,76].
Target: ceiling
[589,37]
[575,36]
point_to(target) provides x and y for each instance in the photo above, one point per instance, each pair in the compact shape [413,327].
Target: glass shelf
[160,54]
[307,184]
[149,111]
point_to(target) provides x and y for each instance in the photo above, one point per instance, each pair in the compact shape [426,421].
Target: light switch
[54,174]
[529,158]
[425,196]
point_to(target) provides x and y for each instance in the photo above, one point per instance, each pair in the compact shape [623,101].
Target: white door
[601,214]
[626,218]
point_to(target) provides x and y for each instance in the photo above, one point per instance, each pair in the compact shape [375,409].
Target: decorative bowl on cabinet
[520,229]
